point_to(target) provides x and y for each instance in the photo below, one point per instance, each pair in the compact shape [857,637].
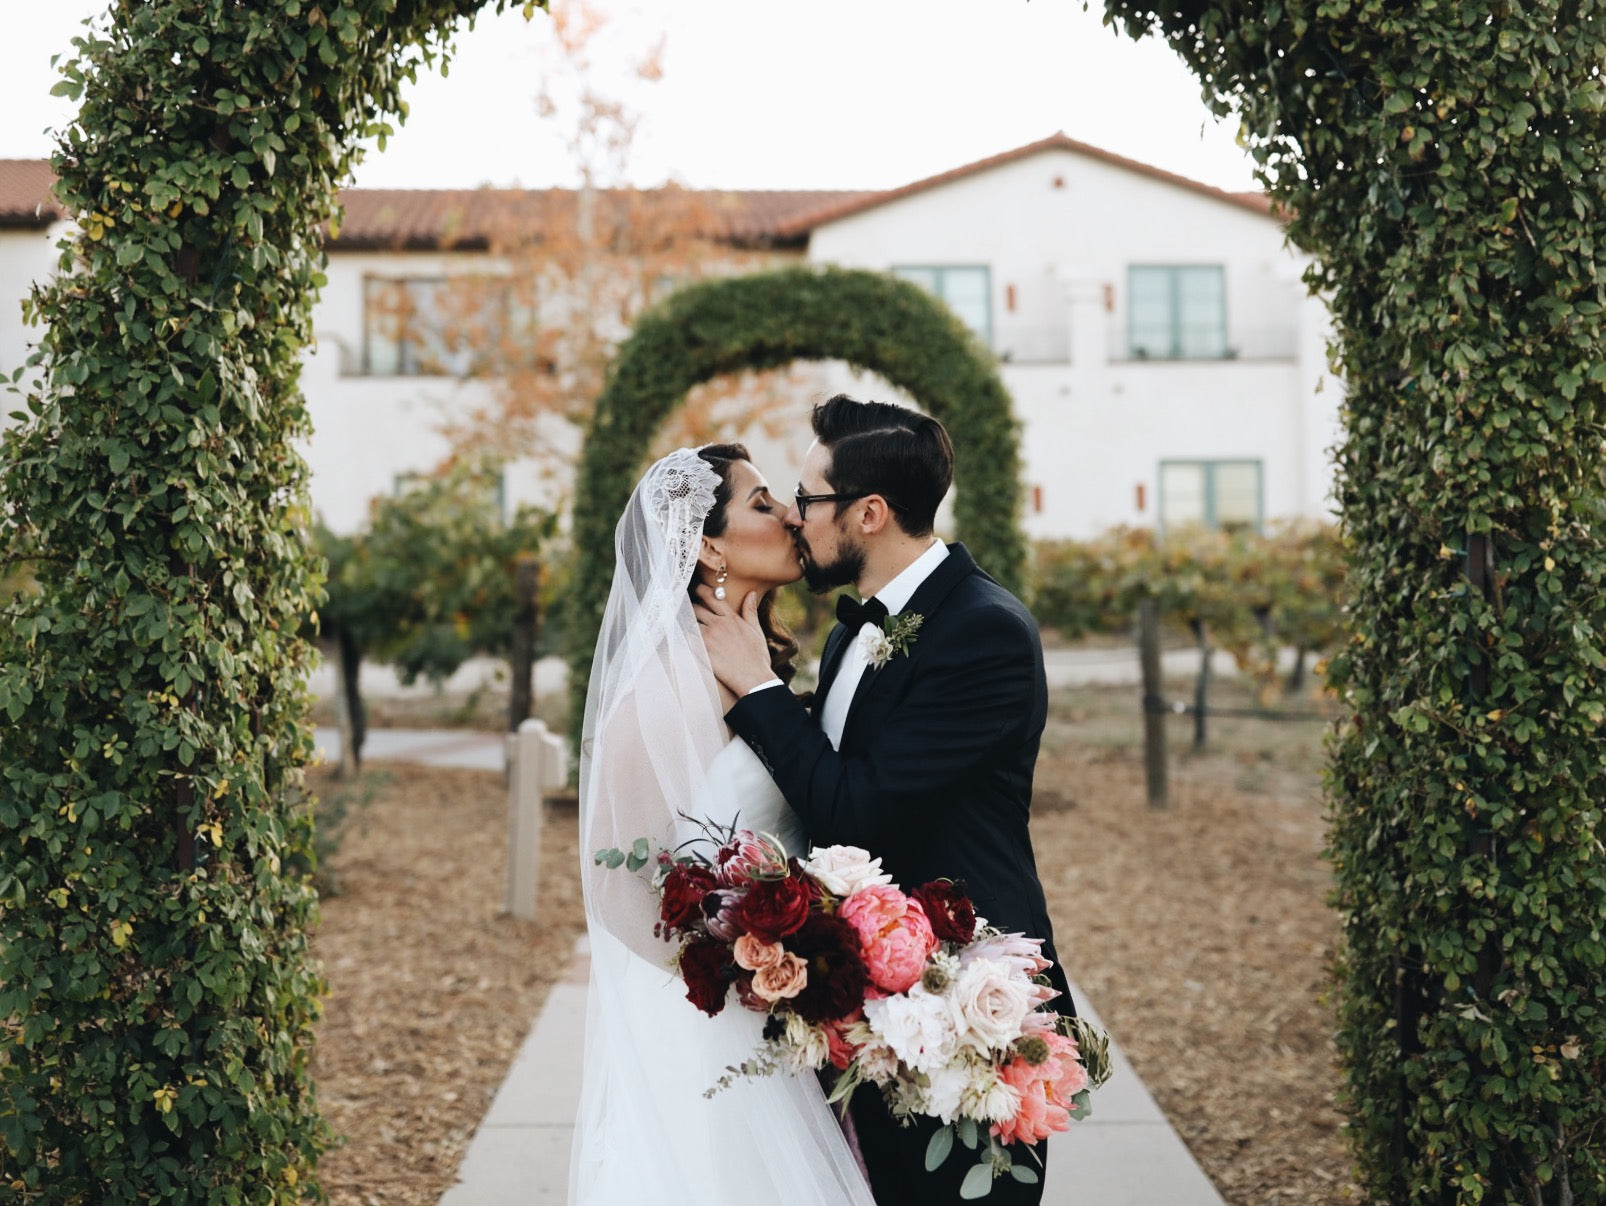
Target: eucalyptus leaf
[978,1183]
[937,1149]
[968,1134]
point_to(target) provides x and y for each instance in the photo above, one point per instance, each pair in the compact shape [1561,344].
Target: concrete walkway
[1124,1154]
[468,749]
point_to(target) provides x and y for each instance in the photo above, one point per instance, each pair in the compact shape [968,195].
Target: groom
[922,756]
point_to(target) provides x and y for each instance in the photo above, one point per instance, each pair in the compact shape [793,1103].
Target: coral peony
[1047,1092]
[894,935]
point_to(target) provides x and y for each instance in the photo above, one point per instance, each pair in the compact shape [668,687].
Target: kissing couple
[920,750]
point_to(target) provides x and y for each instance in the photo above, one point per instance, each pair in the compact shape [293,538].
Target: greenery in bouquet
[946,1016]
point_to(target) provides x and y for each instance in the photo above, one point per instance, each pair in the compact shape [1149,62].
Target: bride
[655,746]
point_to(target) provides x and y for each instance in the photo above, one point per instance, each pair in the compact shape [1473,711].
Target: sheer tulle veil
[653,727]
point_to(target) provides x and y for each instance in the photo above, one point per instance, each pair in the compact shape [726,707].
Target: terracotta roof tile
[435,219]
[25,198]
[809,219]
[477,218]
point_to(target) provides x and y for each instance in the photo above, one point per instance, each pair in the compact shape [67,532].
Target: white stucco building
[1153,332]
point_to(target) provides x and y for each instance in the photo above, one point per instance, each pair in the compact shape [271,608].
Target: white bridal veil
[644,1132]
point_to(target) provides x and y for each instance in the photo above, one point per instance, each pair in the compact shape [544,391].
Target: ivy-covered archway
[157,991]
[768,320]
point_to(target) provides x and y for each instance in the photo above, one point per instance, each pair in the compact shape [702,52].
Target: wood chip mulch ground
[1200,934]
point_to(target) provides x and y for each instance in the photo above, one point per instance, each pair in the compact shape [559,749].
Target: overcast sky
[757,94]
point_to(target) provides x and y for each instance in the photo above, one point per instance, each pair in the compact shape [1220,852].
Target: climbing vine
[156,993]
[1443,163]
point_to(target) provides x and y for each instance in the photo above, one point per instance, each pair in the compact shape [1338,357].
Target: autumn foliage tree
[577,266]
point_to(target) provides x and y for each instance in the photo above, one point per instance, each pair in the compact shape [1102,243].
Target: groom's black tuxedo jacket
[934,773]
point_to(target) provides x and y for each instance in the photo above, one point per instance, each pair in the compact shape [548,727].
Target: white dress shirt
[896,595]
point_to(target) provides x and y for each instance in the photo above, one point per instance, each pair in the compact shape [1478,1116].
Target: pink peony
[894,934]
[1047,1092]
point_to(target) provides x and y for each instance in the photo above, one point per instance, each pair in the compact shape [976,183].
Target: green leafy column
[1443,161]
[156,994]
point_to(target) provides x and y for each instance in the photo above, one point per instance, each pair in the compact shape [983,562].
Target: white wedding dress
[655,754]
[770,1139]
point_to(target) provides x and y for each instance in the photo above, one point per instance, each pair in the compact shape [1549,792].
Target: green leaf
[968,1135]
[978,1183]
[940,1145]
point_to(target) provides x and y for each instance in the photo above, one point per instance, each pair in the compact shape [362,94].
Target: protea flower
[749,856]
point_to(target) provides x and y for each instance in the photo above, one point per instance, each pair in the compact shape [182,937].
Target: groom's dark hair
[898,453]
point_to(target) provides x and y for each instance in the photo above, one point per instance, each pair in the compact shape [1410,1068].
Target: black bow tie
[856,614]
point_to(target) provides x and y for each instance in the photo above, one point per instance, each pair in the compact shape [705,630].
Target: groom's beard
[844,570]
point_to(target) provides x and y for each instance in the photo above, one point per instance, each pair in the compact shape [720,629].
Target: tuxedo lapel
[928,597]
[830,663]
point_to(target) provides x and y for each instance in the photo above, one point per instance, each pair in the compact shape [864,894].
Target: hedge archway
[1444,164]
[157,992]
[768,320]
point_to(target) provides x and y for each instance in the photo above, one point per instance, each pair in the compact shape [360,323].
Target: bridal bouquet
[909,992]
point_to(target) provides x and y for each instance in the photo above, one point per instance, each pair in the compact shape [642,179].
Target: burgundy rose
[683,892]
[830,948]
[774,908]
[816,892]
[705,966]
[952,916]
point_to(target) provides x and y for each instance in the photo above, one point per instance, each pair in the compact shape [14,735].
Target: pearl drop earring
[719,584]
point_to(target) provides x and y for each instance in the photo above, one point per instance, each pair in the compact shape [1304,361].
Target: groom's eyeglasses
[803,500]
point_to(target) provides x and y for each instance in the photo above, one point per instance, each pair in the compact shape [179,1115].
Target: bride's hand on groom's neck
[735,642]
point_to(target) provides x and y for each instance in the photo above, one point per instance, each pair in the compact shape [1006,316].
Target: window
[1218,494]
[1176,313]
[968,292]
[430,326]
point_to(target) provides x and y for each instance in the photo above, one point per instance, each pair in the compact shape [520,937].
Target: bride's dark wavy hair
[783,645]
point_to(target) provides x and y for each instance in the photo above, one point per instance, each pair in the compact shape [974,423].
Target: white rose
[843,870]
[920,1027]
[991,1004]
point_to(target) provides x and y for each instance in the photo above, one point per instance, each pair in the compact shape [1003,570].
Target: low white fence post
[538,762]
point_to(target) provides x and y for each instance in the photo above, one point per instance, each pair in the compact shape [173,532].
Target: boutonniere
[895,635]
